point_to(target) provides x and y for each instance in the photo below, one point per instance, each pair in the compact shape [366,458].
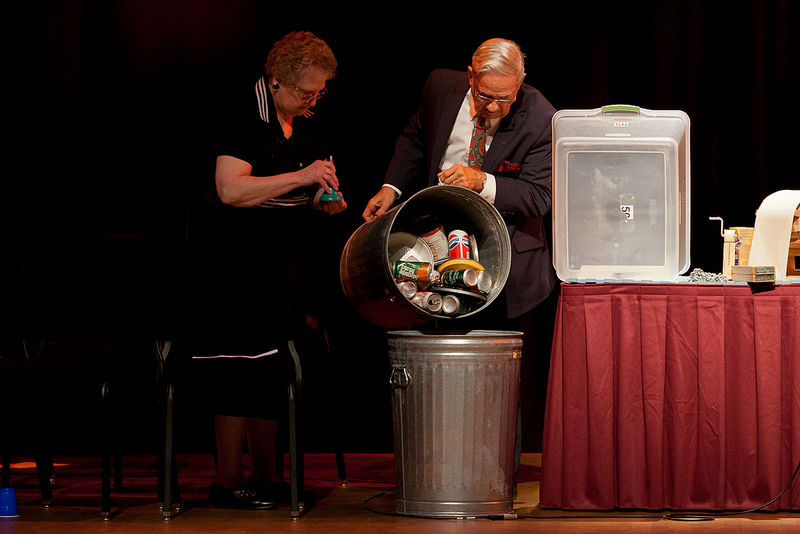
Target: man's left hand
[463,176]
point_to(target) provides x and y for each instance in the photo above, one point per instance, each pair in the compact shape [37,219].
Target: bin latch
[400,377]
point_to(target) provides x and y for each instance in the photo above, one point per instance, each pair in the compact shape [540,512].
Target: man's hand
[463,176]
[379,204]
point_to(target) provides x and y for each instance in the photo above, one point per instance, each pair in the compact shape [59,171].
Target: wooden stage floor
[365,505]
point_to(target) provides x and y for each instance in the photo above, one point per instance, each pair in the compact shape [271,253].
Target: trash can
[365,268]
[455,404]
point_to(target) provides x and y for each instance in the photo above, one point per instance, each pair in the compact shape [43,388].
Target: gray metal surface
[454,401]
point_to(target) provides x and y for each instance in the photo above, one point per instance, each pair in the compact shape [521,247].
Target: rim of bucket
[455,333]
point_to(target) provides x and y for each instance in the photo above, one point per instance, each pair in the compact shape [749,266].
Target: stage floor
[365,505]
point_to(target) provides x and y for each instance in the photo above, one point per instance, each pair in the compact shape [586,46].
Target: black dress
[255,273]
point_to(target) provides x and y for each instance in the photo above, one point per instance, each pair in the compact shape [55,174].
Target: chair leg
[44,472]
[340,467]
[171,490]
[295,459]
[105,461]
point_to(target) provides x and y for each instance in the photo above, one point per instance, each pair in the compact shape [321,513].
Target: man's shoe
[237,498]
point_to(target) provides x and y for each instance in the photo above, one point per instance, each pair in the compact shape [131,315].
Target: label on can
[459,245]
[437,241]
[434,278]
[412,270]
[466,278]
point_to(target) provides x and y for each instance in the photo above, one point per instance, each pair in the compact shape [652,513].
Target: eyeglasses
[308,97]
[483,99]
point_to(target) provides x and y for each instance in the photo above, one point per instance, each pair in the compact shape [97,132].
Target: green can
[466,278]
[411,270]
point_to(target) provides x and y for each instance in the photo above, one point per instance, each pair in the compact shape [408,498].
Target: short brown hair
[297,51]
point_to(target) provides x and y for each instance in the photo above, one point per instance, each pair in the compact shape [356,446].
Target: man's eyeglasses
[486,100]
[308,97]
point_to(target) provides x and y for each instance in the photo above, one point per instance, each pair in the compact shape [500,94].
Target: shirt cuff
[489,188]
[390,186]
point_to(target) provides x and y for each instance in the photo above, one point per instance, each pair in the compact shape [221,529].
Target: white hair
[499,56]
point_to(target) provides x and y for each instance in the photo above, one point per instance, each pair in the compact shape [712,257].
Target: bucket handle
[400,377]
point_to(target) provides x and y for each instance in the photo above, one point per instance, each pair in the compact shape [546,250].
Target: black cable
[710,517]
[671,516]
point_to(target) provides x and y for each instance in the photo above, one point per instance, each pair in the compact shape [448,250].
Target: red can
[459,245]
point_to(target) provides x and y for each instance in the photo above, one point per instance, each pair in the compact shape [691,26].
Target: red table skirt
[673,396]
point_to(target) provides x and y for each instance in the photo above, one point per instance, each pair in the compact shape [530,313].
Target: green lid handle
[620,107]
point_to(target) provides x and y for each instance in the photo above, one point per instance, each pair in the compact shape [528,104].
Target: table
[673,396]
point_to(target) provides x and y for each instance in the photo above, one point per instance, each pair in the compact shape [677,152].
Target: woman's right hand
[320,172]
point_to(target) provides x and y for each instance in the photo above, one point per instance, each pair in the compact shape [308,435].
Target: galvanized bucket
[455,404]
[364,268]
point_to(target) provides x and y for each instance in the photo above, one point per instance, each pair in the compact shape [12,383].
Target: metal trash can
[454,402]
[364,267]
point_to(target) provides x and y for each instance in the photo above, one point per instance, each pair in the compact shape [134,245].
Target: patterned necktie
[477,145]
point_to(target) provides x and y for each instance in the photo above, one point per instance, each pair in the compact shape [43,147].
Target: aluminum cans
[485,282]
[408,288]
[452,305]
[428,300]
[434,279]
[466,278]
[431,231]
[459,245]
[412,270]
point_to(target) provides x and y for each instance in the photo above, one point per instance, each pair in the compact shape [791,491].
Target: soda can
[452,305]
[408,288]
[466,278]
[428,300]
[459,245]
[485,282]
[434,278]
[411,270]
[431,231]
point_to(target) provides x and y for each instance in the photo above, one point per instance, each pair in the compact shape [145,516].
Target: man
[512,170]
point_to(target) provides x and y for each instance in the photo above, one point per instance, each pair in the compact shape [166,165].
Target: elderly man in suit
[485,130]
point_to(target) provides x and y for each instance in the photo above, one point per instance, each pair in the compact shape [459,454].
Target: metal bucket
[364,268]
[454,402]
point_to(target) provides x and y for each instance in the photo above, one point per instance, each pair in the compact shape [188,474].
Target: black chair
[91,321]
[209,278]
[15,370]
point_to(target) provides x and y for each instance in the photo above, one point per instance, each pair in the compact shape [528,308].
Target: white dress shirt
[457,151]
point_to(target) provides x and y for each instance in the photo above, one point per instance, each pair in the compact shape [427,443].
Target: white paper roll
[773,230]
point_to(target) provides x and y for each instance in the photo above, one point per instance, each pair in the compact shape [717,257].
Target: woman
[254,235]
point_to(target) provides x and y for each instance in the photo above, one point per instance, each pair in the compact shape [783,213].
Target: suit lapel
[504,134]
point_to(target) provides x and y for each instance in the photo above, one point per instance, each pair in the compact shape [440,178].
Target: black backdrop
[121,100]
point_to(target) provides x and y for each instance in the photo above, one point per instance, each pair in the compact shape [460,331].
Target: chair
[91,309]
[285,331]
[15,368]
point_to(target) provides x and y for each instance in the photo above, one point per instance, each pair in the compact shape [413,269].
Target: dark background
[116,105]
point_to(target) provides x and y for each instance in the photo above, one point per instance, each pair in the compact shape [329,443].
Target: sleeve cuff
[396,190]
[489,188]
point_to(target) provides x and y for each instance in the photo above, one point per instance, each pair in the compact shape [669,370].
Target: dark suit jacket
[520,159]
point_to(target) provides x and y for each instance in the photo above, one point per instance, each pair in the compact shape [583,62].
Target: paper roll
[773,230]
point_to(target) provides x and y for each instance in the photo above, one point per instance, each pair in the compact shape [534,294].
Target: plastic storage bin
[620,194]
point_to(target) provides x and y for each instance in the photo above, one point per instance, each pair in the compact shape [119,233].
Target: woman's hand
[320,172]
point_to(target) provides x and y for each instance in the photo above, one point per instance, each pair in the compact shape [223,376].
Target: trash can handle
[400,377]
